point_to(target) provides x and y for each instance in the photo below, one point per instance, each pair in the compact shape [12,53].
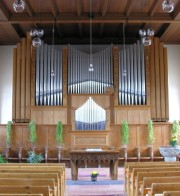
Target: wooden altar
[110,156]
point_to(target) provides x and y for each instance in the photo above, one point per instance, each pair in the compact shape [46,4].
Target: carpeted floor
[104,186]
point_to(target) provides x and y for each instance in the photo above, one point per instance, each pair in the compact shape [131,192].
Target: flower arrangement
[150,132]
[174,133]
[2,159]
[94,174]
[124,133]
[34,158]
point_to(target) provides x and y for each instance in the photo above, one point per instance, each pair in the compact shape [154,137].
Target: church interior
[88,70]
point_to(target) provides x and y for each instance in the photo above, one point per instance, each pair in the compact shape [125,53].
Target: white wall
[6,58]
[174,81]
[6,61]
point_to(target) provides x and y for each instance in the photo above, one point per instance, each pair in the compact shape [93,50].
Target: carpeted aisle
[104,186]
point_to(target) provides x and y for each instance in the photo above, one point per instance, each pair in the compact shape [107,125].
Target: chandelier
[168,6]
[19,5]
[146,36]
[36,35]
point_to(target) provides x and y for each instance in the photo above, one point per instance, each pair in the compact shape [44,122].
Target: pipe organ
[132,89]
[48,76]
[83,81]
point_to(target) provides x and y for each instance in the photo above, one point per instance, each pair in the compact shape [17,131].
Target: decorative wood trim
[14,85]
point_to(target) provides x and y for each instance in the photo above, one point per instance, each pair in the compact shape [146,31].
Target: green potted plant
[8,133]
[94,175]
[124,133]
[59,133]
[2,159]
[32,135]
[150,133]
[174,133]
[34,158]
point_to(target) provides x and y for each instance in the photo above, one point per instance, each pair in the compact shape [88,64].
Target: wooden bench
[135,182]
[171,193]
[130,166]
[30,182]
[159,188]
[40,168]
[147,182]
[25,190]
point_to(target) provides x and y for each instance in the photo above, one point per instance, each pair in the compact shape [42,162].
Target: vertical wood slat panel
[163,107]
[28,76]
[14,84]
[23,80]
[157,81]
[64,71]
[18,84]
[152,82]
[116,71]
[166,84]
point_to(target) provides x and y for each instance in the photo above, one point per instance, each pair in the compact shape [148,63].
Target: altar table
[110,156]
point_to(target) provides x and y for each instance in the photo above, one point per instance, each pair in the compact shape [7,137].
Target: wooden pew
[131,165]
[171,193]
[25,190]
[135,183]
[4,194]
[29,182]
[142,175]
[147,182]
[159,188]
[41,167]
[25,174]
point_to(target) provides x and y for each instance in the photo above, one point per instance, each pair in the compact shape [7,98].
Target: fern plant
[8,133]
[32,129]
[150,132]
[124,133]
[34,158]
[59,133]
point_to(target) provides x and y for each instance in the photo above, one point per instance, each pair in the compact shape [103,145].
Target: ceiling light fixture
[167,6]
[19,5]
[146,36]
[90,35]
[36,35]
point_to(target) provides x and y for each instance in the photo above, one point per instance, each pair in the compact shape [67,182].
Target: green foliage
[150,132]
[34,158]
[2,159]
[32,129]
[174,133]
[125,133]
[59,133]
[8,132]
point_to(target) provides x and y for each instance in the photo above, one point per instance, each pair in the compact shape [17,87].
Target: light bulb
[168,6]
[142,32]
[150,32]
[36,42]
[146,41]
[18,5]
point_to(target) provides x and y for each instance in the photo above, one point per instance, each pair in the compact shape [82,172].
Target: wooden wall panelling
[162,81]
[18,84]
[133,116]
[116,75]
[144,115]
[23,72]
[166,84]
[28,77]
[65,75]
[120,115]
[152,82]
[157,80]
[14,84]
